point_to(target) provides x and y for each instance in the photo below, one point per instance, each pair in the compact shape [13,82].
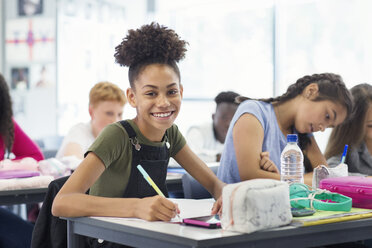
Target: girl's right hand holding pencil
[156,208]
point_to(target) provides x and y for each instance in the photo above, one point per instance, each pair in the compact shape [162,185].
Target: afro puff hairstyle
[150,44]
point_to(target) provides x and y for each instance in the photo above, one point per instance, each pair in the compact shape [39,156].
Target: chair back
[192,189]
[50,231]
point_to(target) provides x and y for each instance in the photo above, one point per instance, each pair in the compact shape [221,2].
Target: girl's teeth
[162,114]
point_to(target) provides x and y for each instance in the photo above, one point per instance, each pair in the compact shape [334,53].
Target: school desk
[139,233]
[20,196]
[35,195]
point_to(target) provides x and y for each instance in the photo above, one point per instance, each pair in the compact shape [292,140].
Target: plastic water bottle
[292,161]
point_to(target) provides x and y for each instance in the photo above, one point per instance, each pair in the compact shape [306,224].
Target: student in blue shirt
[258,130]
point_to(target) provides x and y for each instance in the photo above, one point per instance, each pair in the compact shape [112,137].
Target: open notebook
[189,209]
[192,208]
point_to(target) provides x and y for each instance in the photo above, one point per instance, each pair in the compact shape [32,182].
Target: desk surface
[19,196]
[140,233]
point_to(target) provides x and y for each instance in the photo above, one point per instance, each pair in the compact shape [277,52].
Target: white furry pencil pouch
[255,204]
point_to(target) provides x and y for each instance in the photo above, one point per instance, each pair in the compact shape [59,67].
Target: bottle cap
[292,138]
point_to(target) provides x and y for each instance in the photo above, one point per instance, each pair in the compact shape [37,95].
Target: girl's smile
[163,115]
[157,98]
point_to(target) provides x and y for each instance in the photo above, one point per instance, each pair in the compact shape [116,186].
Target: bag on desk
[255,205]
[322,172]
[358,188]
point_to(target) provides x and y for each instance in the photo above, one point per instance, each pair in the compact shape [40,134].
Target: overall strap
[128,128]
[132,134]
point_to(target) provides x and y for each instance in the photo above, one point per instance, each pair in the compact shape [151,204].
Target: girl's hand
[217,207]
[156,208]
[266,164]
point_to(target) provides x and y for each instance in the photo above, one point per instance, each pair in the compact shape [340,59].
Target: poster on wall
[30,40]
[30,7]
[42,76]
[20,79]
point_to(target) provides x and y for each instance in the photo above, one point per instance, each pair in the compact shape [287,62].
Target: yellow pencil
[149,180]
[153,185]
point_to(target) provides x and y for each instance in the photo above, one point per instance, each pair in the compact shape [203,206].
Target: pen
[152,183]
[344,154]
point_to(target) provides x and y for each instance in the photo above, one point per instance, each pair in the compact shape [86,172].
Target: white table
[141,233]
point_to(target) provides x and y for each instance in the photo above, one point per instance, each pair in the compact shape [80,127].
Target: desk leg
[73,240]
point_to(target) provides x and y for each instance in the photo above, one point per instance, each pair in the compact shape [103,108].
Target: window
[230,48]
[324,36]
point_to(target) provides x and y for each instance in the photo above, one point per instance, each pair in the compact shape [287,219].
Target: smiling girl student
[258,130]
[109,169]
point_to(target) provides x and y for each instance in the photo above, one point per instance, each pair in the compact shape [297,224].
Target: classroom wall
[78,54]
[30,65]
[85,58]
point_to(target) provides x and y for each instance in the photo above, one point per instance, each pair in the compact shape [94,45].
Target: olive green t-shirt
[114,148]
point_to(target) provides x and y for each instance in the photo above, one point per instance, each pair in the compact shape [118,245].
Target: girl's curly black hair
[150,44]
[6,113]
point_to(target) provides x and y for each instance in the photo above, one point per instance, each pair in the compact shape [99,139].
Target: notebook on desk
[191,208]
[325,217]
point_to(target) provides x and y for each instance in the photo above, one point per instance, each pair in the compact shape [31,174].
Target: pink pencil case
[18,174]
[358,188]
